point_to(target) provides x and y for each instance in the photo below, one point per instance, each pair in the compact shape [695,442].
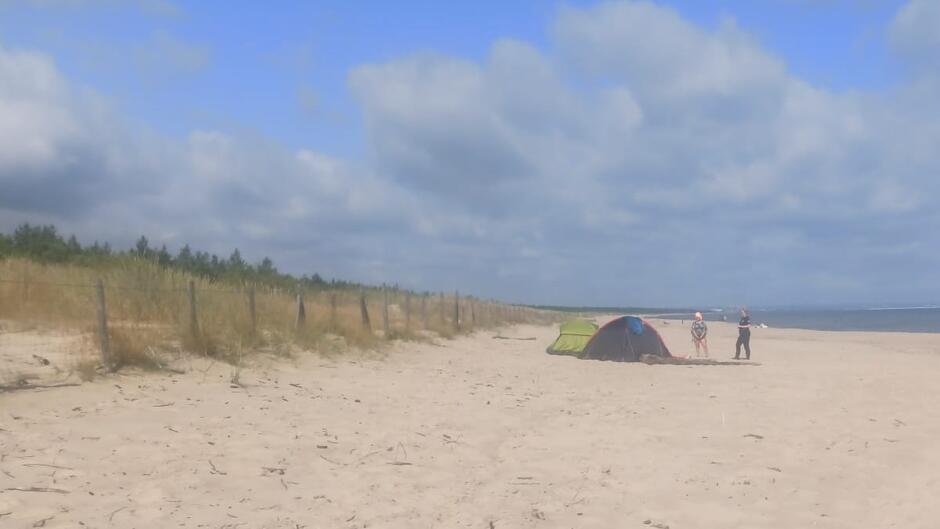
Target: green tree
[164,257]
[6,245]
[142,248]
[184,259]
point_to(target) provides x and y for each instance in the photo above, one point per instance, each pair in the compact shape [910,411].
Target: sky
[620,153]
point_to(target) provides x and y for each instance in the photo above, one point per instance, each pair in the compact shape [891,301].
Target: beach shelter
[625,339]
[572,337]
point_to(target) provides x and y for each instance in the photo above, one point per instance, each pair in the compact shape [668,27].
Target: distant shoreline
[646,311]
[901,320]
[922,319]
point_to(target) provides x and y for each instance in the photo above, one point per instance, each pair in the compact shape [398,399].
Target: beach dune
[822,429]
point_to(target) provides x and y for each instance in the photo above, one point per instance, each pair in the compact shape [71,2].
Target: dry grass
[149,313]
[86,369]
[137,346]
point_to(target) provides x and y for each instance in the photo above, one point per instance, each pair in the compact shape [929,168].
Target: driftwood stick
[20,387]
[39,489]
[46,465]
[328,460]
[111,516]
[215,470]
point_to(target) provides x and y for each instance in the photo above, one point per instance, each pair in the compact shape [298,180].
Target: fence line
[26,281]
[195,312]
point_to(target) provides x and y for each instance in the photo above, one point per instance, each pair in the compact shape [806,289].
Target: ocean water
[917,319]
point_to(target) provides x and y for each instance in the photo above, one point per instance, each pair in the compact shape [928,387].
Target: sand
[825,430]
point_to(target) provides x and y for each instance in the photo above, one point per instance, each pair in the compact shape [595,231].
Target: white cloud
[914,34]
[61,149]
[661,54]
[33,120]
[66,157]
[666,119]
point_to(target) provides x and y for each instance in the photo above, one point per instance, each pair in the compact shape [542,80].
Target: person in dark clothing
[744,336]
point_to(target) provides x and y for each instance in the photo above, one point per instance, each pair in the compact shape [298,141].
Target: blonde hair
[698,315]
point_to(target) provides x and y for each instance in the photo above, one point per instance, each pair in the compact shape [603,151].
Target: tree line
[44,243]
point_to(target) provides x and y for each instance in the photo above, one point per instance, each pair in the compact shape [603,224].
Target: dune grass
[149,312]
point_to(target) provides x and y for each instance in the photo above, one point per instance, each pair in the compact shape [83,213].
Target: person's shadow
[676,361]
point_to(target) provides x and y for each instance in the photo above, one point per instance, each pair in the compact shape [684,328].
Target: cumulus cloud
[667,120]
[66,157]
[643,160]
[432,129]
[914,34]
[59,149]
[656,51]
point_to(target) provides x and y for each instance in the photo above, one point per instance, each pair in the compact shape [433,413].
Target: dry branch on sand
[38,489]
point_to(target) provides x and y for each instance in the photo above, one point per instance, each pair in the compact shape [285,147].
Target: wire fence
[81,320]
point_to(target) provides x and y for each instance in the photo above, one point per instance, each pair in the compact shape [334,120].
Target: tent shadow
[675,361]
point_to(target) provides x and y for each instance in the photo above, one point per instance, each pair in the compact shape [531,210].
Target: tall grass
[149,311]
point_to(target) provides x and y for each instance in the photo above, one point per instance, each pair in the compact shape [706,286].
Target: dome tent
[572,337]
[626,339]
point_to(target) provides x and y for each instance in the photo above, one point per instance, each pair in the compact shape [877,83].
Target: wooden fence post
[363,310]
[424,310]
[408,311]
[252,313]
[333,310]
[104,338]
[25,284]
[457,311]
[385,310]
[440,306]
[301,312]
[193,317]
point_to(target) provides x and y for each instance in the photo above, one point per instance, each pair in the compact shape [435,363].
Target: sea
[881,319]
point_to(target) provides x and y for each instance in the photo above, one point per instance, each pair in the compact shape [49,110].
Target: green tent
[572,338]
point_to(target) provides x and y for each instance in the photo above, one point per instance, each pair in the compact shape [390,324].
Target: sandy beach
[821,430]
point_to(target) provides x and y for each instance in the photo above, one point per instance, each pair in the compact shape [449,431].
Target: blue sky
[447,145]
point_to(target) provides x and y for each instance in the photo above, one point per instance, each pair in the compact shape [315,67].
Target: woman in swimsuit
[699,335]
